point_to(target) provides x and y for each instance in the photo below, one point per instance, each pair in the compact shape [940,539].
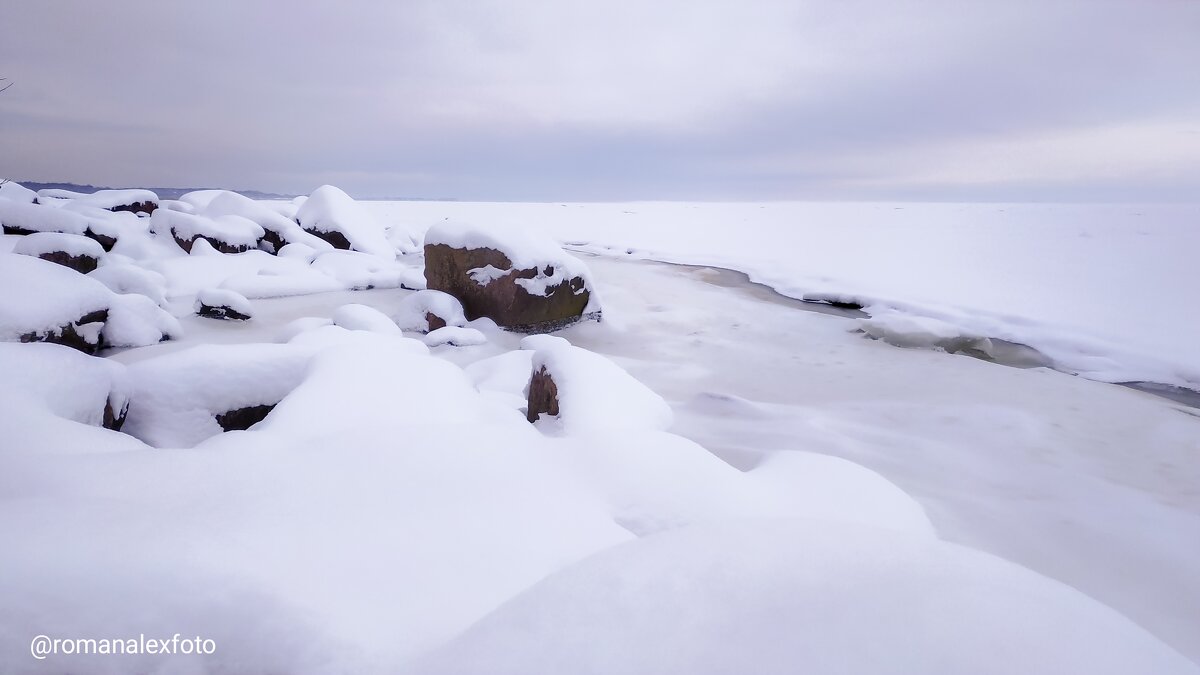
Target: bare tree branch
[2,79]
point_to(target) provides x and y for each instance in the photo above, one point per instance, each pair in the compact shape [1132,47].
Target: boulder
[335,217]
[426,311]
[524,283]
[133,201]
[543,396]
[69,250]
[54,304]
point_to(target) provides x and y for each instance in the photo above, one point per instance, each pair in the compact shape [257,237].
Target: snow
[230,229]
[765,596]
[233,204]
[41,218]
[1052,276]
[362,317]
[410,315]
[125,277]
[137,321]
[60,381]
[50,242]
[353,269]
[16,192]
[328,209]
[595,395]
[486,274]
[223,297]
[456,336]
[104,199]
[50,296]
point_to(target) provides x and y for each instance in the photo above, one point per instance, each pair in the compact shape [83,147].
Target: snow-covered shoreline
[1097,287]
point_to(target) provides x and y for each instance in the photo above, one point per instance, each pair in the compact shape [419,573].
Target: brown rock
[222,246]
[114,418]
[503,300]
[243,418]
[80,263]
[137,207]
[70,335]
[435,322]
[543,395]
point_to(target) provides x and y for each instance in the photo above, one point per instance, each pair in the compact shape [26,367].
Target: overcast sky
[565,100]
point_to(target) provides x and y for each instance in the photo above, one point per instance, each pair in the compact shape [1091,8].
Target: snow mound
[455,336]
[361,317]
[137,321]
[17,193]
[222,303]
[412,313]
[123,277]
[762,596]
[59,381]
[334,216]
[359,271]
[596,395]
[177,397]
[51,297]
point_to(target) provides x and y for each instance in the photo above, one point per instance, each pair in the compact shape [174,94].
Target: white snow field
[734,483]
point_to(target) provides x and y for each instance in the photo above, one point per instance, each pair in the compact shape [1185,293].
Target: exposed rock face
[136,207]
[242,419]
[435,322]
[543,395]
[501,297]
[79,263]
[82,334]
[220,312]
[219,245]
[114,418]
[335,238]
[104,240]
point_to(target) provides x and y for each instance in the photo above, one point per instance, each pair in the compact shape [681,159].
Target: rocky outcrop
[529,300]
[543,396]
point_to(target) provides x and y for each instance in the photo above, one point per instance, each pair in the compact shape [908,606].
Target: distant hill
[162,192]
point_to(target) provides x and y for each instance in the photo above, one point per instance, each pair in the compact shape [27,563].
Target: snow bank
[328,210]
[764,596]
[596,395]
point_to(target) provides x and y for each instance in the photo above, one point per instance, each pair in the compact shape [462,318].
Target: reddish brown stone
[435,322]
[80,263]
[243,418]
[69,334]
[114,419]
[136,207]
[335,239]
[543,395]
[223,247]
[503,300]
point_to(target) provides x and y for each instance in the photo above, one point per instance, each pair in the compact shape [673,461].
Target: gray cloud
[574,100]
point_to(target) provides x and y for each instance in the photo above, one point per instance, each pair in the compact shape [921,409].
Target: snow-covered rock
[137,321]
[54,380]
[335,217]
[222,303]
[182,398]
[227,234]
[361,271]
[429,310]
[134,201]
[361,317]
[587,393]
[278,230]
[45,302]
[74,251]
[456,336]
[522,281]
